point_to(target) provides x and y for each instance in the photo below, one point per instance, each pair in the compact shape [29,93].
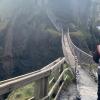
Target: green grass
[52,31]
[23,93]
[78,33]
[70,78]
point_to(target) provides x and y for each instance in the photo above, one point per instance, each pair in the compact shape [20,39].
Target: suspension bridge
[50,80]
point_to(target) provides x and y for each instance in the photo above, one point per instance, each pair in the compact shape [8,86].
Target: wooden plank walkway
[86,86]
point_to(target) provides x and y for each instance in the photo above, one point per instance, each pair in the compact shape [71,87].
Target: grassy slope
[23,93]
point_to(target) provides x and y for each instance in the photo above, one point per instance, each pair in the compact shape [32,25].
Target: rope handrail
[84,59]
[82,56]
[77,47]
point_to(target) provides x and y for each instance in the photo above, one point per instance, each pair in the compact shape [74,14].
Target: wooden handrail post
[56,74]
[41,88]
[61,70]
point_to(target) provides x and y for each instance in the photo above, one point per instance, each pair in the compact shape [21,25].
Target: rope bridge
[81,64]
[50,79]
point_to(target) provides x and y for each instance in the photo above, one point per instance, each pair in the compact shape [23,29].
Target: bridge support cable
[84,59]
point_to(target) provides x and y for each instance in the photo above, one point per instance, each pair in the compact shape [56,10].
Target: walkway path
[86,86]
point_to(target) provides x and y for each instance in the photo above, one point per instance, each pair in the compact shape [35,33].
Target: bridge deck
[87,87]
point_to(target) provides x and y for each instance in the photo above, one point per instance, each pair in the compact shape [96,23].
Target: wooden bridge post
[61,69]
[41,88]
[56,74]
[58,71]
[76,63]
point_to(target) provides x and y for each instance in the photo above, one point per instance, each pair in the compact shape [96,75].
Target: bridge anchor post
[41,88]
[61,70]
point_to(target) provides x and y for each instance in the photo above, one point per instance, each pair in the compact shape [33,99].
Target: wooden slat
[41,88]
[58,93]
[51,81]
